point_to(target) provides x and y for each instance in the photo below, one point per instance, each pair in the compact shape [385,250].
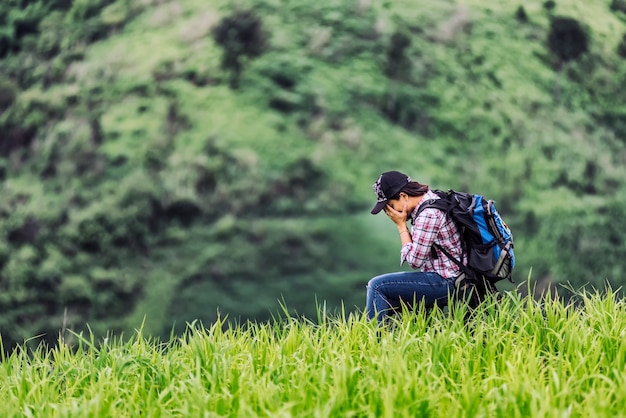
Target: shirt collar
[427,196]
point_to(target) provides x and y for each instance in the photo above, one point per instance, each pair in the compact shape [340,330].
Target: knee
[376,282]
[373,282]
[370,284]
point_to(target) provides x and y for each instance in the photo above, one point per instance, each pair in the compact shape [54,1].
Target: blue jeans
[386,293]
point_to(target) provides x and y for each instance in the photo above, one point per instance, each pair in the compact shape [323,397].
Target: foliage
[241,36]
[521,358]
[520,14]
[549,5]
[618,6]
[397,60]
[567,39]
[621,48]
[8,93]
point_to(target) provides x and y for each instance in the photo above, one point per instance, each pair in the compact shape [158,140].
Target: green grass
[525,358]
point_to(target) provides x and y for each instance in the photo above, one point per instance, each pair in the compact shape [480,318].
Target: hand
[397,217]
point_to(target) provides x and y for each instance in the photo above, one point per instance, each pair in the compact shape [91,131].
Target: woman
[400,198]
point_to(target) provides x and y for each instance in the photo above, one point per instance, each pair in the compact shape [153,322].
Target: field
[518,357]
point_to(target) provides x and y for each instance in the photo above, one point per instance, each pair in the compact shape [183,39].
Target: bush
[621,48]
[241,35]
[116,14]
[549,5]
[618,6]
[8,94]
[520,15]
[83,10]
[284,83]
[52,31]
[409,107]
[567,38]
[398,64]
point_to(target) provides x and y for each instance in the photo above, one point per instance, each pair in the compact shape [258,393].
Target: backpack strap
[466,270]
[446,206]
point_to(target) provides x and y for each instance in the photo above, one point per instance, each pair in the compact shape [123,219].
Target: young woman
[400,198]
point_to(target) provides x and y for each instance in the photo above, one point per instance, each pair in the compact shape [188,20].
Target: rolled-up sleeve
[423,234]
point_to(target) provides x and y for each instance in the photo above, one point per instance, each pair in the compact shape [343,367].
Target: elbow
[413,263]
[415,266]
[416,262]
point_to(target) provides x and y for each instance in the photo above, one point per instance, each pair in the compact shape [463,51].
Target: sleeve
[423,234]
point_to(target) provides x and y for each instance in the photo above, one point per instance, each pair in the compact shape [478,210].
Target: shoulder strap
[444,203]
[453,259]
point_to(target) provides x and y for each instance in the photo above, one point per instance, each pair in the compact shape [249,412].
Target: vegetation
[524,358]
[567,39]
[241,35]
[138,183]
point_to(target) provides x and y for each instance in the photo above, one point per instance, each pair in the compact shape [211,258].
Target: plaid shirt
[430,227]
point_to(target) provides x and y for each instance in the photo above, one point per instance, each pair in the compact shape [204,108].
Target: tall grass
[519,357]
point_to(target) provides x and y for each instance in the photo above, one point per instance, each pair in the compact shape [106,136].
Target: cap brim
[378,207]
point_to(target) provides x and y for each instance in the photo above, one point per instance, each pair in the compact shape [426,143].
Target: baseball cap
[387,186]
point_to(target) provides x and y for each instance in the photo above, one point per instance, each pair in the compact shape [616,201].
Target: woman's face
[399,204]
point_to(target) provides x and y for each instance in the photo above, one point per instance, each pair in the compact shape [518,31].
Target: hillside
[151,170]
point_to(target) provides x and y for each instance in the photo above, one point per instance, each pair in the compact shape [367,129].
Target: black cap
[387,186]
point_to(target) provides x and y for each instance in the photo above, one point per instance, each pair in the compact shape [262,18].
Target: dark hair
[412,188]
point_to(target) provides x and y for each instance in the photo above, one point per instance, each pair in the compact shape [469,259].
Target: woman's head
[391,184]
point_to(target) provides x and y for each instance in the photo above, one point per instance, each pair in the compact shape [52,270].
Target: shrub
[82,10]
[8,93]
[242,37]
[116,14]
[549,5]
[520,15]
[398,64]
[618,6]
[75,289]
[409,107]
[567,38]
[621,48]
[68,150]
[52,29]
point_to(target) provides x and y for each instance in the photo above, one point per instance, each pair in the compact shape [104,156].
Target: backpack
[488,241]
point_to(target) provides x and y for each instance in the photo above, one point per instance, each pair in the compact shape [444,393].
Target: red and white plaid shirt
[432,226]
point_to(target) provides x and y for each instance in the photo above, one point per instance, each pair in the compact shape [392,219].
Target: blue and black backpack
[488,241]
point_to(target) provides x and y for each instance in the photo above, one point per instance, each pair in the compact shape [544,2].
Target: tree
[618,6]
[398,63]
[242,37]
[567,39]
[621,48]
[8,93]
[521,15]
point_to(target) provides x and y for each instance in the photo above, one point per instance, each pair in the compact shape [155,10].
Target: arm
[399,218]
[405,235]
[424,234]
[416,246]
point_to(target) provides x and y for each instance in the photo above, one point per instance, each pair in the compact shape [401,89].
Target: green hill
[153,167]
